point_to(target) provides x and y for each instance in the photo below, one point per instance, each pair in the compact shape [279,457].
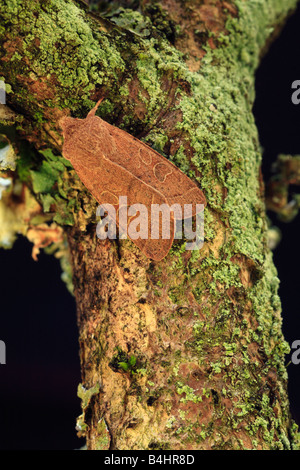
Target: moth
[112,163]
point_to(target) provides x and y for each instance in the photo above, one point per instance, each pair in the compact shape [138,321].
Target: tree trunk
[186,353]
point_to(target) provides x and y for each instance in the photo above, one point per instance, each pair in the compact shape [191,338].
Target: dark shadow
[38,383]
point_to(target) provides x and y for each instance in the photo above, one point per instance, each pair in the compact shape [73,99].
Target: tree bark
[187,353]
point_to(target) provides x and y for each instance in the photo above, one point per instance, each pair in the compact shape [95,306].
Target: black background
[38,385]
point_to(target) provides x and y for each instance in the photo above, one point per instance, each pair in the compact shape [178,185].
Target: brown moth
[112,163]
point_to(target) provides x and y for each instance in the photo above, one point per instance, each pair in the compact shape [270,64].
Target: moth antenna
[93,111]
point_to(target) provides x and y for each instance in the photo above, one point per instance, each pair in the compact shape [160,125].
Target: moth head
[83,137]
[74,136]
[68,125]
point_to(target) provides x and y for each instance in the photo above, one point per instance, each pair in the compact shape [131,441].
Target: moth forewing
[112,164]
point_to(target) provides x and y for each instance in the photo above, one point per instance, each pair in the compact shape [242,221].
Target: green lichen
[131,20]
[49,184]
[103,438]
[8,156]
[170,422]
[189,393]
[85,395]
[69,50]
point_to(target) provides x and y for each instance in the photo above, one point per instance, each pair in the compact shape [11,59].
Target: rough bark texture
[187,353]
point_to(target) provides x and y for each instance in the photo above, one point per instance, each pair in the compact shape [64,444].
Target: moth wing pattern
[102,178]
[164,176]
[112,163]
[152,168]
